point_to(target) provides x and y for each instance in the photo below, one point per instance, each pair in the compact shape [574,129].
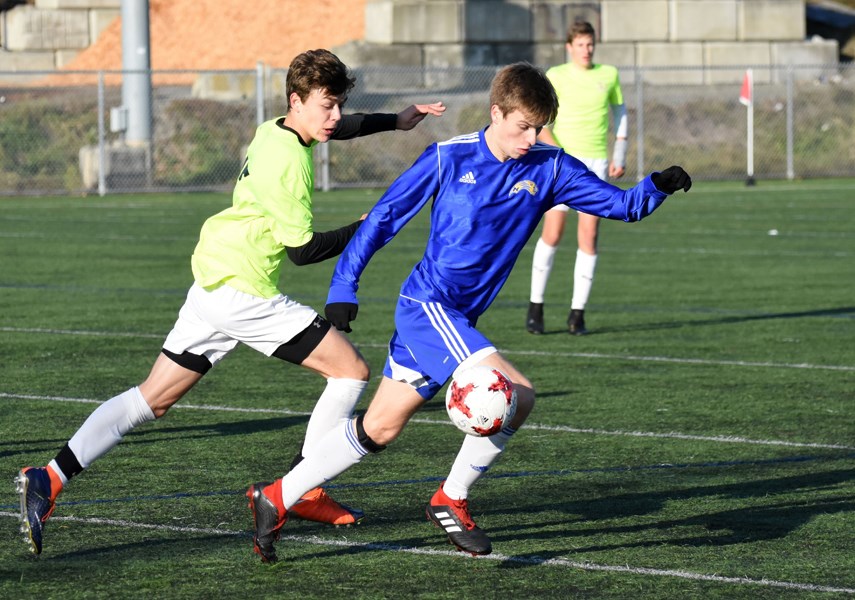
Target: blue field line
[550,473]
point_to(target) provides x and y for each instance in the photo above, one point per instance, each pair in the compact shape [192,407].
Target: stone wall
[48,34]
[632,33]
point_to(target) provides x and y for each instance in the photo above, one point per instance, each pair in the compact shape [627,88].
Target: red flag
[746,94]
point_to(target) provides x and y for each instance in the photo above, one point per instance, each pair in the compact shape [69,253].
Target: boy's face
[581,50]
[511,135]
[317,117]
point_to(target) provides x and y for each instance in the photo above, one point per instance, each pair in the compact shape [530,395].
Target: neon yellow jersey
[244,245]
[584,97]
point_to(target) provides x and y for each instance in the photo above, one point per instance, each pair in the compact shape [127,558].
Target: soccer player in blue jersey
[235,297]
[490,189]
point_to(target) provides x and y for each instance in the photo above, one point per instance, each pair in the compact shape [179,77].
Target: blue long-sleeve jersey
[483,213]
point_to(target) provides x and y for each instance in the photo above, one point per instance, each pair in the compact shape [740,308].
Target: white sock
[583,279]
[107,424]
[474,458]
[332,455]
[541,267]
[336,404]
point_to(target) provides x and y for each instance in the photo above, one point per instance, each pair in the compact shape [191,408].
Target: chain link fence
[60,132]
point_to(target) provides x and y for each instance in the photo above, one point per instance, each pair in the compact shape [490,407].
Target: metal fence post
[790,170]
[259,93]
[102,141]
[639,110]
[136,76]
[324,156]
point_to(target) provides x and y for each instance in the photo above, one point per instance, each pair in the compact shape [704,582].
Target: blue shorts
[430,342]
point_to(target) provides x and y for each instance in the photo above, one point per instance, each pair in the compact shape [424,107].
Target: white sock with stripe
[473,460]
[335,404]
[332,455]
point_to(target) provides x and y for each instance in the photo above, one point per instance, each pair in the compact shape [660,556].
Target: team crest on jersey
[527,185]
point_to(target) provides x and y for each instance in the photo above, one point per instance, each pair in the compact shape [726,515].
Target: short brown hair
[318,69]
[580,28]
[522,86]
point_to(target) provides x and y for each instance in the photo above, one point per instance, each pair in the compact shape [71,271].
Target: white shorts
[600,167]
[212,323]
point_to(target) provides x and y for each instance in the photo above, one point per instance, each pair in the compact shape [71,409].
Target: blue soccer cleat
[33,487]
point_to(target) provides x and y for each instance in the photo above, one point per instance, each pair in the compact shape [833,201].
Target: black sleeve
[322,246]
[359,124]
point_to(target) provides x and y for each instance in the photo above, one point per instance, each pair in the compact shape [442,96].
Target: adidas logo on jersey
[468,178]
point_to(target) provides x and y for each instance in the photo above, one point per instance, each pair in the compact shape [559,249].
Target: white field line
[528,426]
[109,237]
[530,560]
[690,361]
[596,355]
[82,332]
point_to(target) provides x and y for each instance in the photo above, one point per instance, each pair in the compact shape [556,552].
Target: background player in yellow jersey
[235,296]
[585,92]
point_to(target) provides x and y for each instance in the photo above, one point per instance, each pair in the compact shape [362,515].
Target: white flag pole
[750,179]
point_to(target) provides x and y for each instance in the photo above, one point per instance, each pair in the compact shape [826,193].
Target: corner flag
[746,94]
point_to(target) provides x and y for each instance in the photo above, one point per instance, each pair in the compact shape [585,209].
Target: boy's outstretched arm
[355,125]
[413,115]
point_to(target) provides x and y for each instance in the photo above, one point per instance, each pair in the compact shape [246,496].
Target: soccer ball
[481,400]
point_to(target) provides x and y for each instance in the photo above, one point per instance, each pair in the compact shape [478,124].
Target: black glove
[340,314]
[672,179]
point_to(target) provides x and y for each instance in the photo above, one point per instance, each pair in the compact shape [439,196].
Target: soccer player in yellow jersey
[235,297]
[585,90]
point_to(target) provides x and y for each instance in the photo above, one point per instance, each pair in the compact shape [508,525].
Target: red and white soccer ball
[481,400]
